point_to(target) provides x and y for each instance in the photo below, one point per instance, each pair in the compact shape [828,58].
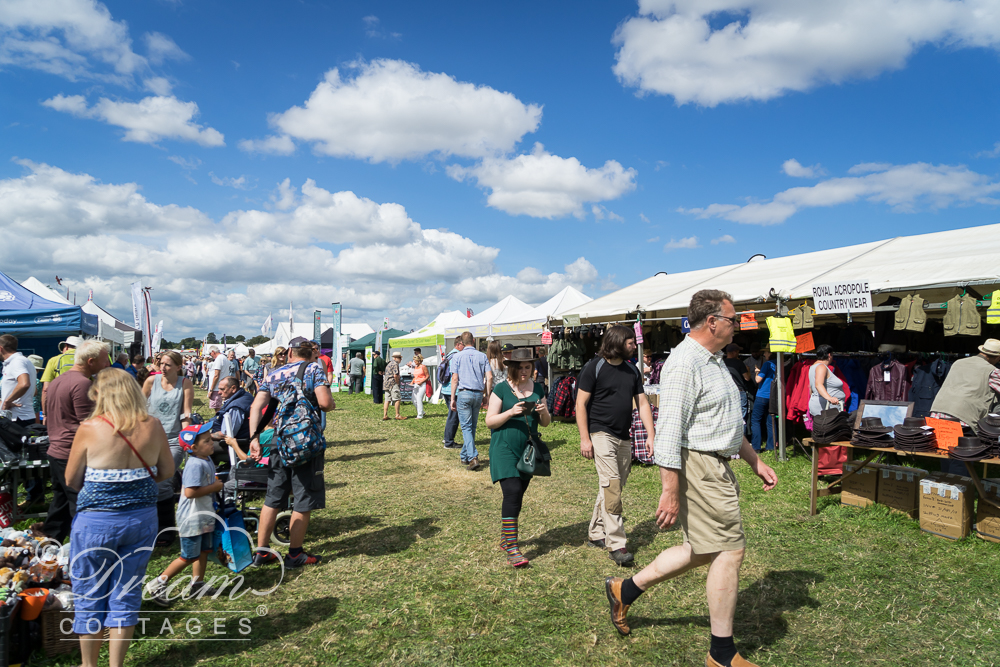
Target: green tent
[369,341]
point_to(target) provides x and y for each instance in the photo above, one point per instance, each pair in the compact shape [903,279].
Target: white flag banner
[137,305]
[291,322]
[147,325]
[157,336]
[265,329]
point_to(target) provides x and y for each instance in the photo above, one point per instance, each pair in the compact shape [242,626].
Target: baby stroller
[248,484]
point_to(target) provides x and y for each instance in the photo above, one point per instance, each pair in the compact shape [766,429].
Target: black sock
[630,592]
[294,551]
[723,650]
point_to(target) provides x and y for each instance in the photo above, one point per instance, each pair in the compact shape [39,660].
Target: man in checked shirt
[700,427]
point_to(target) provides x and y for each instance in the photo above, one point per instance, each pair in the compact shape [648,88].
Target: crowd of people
[119,436]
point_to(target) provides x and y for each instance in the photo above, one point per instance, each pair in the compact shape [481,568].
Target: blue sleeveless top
[116,489]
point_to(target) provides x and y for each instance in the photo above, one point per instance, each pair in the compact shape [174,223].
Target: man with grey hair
[68,405]
[700,427]
[356,374]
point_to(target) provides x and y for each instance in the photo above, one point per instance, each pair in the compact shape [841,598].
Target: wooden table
[876,452]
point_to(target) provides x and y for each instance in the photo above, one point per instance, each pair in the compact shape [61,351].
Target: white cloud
[601,213]
[253,261]
[715,51]
[190,164]
[74,39]
[147,121]
[240,183]
[796,170]
[993,152]
[683,244]
[903,187]
[655,239]
[725,238]
[158,85]
[162,48]
[530,285]
[642,216]
[543,185]
[392,110]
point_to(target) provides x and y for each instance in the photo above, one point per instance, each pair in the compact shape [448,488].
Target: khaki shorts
[710,504]
[393,394]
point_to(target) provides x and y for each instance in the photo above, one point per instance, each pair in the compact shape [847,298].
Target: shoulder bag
[536,459]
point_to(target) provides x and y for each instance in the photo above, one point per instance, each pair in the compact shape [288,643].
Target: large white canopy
[106,329]
[507,309]
[903,263]
[432,333]
[524,328]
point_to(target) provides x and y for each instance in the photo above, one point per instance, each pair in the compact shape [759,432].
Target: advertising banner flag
[265,328]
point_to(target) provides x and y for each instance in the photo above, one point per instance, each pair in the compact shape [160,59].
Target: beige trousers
[613,459]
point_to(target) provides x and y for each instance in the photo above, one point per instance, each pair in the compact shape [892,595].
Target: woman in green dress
[517,405]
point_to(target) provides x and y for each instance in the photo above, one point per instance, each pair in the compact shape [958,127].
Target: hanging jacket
[927,381]
[895,389]
[802,317]
[993,312]
[782,336]
[797,389]
[962,318]
[910,316]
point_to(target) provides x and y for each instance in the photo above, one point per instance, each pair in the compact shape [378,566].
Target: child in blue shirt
[195,517]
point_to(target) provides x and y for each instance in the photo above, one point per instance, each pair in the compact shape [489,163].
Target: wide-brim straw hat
[991,347]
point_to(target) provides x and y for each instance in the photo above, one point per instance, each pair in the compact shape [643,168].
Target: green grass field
[412,574]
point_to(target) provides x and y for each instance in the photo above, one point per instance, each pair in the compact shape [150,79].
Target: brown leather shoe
[613,589]
[474,464]
[737,661]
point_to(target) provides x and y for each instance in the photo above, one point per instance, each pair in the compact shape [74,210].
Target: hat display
[991,347]
[971,449]
[871,433]
[831,425]
[189,434]
[914,437]
[521,354]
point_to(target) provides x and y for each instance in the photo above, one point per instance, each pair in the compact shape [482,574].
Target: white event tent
[933,263]
[109,328]
[282,334]
[481,325]
[524,328]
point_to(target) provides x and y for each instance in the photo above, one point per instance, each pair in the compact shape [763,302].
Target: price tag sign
[638,333]
[571,320]
[946,432]
[546,338]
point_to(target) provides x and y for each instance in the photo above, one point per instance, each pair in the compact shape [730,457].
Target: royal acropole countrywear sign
[853,296]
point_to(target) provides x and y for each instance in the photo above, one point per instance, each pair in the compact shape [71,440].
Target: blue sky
[407,158]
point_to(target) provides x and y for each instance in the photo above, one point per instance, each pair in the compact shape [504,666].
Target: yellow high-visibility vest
[782,334]
[993,312]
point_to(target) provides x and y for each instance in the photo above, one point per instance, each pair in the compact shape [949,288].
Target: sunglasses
[735,320]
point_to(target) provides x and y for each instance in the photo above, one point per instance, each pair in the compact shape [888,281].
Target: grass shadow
[320,525]
[358,457]
[388,540]
[351,443]
[760,609]
[574,534]
[264,630]
[554,444]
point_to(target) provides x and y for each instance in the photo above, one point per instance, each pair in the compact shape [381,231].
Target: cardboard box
[899,488]
[946,505]
[988,517]
[861,488]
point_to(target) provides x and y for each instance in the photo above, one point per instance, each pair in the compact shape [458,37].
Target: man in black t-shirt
[606,389]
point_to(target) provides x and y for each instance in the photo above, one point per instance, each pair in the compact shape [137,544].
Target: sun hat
[76,341]
[189,434]
[36,361]
[519,355]
[397,353]
[991,347]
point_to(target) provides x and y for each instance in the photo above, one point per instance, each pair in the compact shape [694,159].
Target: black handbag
[536,459]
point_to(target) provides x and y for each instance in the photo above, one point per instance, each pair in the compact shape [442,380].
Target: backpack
[300,425]
[444,370]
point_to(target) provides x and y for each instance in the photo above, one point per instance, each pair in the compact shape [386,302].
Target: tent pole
[780,388]
[638,322]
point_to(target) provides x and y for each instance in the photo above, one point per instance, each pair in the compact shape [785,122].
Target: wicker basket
[54,642]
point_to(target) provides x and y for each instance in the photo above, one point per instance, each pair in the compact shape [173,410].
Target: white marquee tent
[481,325]
[923,262]
[305,329]
[525,327]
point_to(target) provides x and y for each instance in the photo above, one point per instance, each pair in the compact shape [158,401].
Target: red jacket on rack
[797,389]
